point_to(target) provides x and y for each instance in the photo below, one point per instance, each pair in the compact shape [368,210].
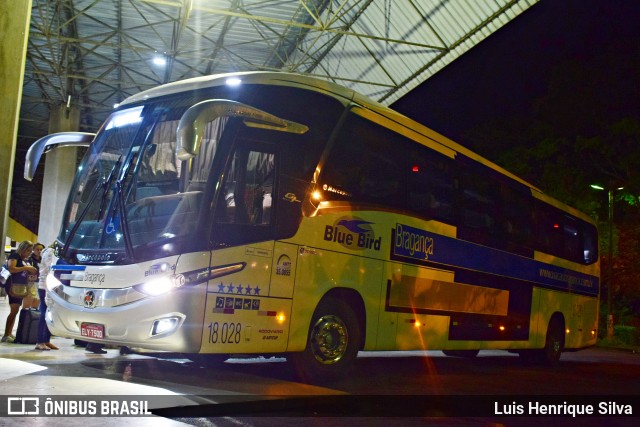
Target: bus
[266,213]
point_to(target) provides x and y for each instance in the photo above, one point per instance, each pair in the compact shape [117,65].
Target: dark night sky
[508,73]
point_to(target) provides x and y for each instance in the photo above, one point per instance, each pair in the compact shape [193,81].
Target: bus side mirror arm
[51,142]
[194,121]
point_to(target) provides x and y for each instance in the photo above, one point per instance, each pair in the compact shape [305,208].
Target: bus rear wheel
[553,346]
[332,343]
[554,343]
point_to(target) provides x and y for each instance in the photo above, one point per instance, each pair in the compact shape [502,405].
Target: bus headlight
[160,285]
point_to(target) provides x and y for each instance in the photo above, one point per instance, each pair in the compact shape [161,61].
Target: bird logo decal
[355,225]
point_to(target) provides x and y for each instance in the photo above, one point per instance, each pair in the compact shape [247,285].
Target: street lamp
[610,260]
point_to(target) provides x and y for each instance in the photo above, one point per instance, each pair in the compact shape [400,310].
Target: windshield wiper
[124,222]
[74,229]
[102,186]
[106,184]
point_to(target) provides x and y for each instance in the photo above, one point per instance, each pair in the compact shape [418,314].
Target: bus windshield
[145,187]
[131,190]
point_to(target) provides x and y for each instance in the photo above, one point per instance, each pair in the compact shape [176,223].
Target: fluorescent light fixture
[233,81]
[159,60]
[599,187]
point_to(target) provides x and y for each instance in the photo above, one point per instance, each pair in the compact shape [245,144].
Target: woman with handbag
[22,274]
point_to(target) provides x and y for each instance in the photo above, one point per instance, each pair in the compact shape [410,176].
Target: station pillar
[15,17]
[59,170]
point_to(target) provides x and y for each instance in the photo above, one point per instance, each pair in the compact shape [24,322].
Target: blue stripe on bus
[414,245]
[62,267]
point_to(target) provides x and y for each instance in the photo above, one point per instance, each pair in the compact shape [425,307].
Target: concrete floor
[24,372]
[162,380]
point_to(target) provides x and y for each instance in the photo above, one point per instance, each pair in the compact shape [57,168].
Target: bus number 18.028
[225,333]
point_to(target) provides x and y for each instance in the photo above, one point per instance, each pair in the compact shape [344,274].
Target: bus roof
[345,96]
[249,77]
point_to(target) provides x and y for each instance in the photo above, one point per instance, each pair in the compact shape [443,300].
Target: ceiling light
[160,60]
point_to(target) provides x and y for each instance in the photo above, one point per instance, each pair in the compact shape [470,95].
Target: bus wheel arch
[335,335]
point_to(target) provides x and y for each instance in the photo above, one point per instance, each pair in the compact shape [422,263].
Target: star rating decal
[237,297]
[238,289]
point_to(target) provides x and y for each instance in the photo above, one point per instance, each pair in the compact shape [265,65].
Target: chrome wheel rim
[329,339]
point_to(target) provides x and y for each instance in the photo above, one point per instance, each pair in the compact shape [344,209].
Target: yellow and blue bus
[272,213]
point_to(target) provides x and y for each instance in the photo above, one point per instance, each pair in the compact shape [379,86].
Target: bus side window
[431,185]
[480,210]
[589,243]
[549,232]
[246,194]
[572,248]
[244,207]
[366,165]
[564,235]
[517,207]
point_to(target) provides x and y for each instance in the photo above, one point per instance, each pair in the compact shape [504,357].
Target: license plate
[92,330]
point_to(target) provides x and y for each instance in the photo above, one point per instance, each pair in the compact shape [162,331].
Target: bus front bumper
[167,322]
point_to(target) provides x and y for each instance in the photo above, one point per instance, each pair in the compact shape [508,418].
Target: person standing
[31,300]
[36,255]
[21,274]
[47,259]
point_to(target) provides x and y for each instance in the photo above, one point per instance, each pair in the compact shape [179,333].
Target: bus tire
[333,343]
[467,354]
[554,342]
[550,354]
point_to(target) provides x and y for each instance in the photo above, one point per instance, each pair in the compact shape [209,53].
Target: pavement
[24,373]
[71,374]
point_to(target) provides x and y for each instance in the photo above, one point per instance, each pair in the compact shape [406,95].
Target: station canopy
[92,54]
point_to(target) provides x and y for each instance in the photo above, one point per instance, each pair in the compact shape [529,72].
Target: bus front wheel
[332,343]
